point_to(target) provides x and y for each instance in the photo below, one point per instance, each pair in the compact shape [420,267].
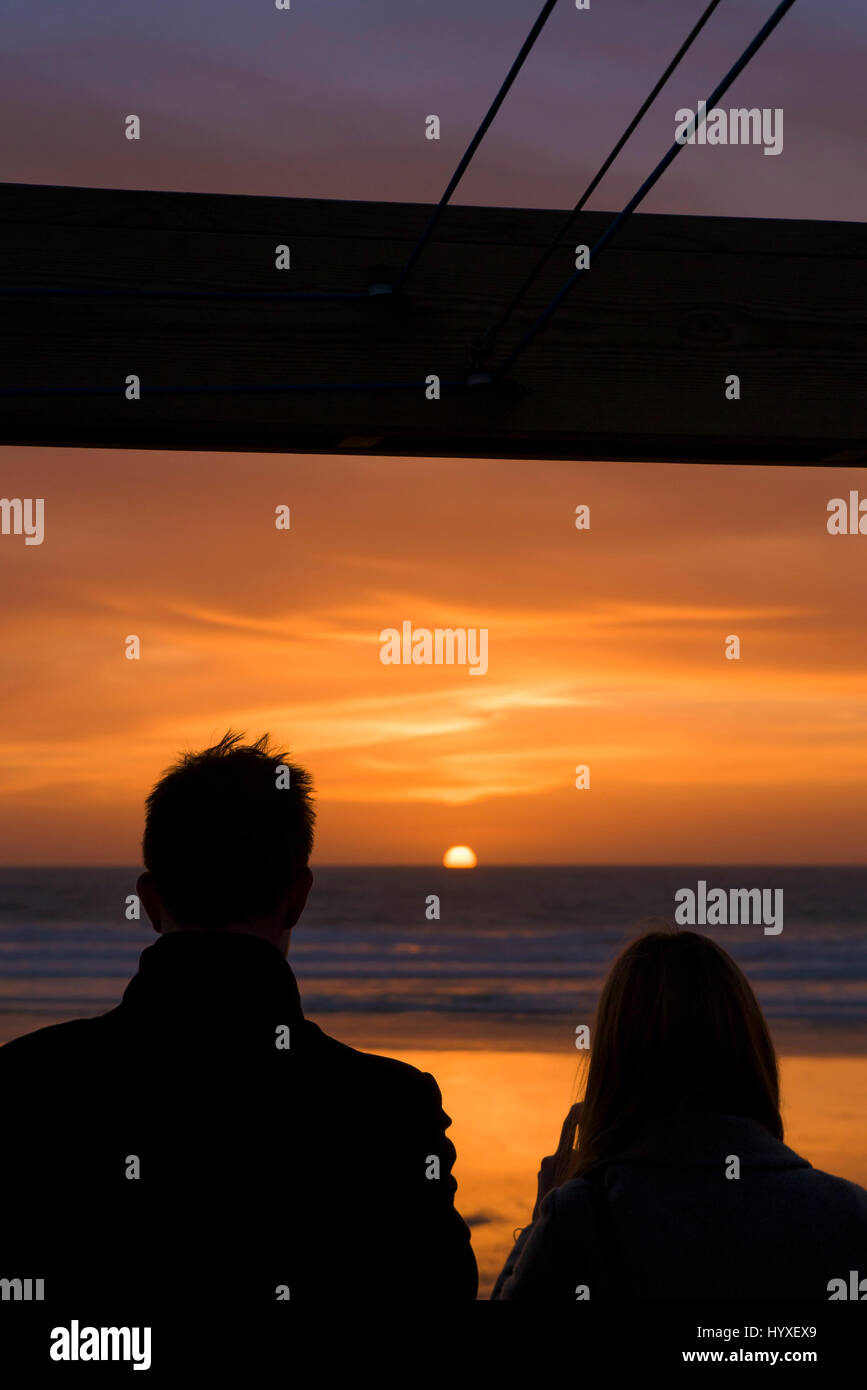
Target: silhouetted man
[203,1143]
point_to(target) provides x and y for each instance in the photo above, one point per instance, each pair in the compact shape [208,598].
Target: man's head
[228,833]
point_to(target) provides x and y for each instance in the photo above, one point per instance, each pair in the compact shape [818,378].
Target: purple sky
[329,100]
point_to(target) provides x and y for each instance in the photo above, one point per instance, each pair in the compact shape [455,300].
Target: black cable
[536,327]
[489,339]
[476,141]
[432,221]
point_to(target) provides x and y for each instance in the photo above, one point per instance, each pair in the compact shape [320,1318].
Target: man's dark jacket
[667,1219]
[313,1170]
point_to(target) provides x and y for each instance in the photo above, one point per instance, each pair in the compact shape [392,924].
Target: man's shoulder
[370,1069]
[48,1063]
[56,1040]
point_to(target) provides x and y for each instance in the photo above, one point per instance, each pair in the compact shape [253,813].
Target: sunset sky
[329,100]
[605,648]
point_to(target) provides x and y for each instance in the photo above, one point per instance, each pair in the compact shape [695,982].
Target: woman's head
[677,1029]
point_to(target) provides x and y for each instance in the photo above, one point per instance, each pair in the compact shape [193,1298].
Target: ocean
[528,943]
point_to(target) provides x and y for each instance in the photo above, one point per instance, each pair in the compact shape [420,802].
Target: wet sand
[507,1107]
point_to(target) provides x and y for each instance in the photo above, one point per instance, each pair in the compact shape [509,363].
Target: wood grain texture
[632,366]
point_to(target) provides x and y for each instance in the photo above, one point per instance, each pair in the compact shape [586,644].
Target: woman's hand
[554,1163]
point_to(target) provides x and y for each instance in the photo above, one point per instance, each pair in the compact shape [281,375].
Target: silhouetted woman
[680,1185]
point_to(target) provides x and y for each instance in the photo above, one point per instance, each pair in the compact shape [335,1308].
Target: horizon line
[528,864]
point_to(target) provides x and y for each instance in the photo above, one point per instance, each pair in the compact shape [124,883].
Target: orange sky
[605,648]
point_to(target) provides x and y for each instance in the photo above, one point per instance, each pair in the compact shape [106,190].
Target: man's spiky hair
[226,831]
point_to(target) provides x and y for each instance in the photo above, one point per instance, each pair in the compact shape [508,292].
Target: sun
[459,857]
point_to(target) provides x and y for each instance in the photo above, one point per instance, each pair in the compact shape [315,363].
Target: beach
[488,998]
[507,1105]
[507,1084]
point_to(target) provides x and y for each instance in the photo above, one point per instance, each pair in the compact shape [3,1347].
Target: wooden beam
[632,366]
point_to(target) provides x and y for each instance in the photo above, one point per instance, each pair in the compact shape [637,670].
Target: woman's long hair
[677,1029]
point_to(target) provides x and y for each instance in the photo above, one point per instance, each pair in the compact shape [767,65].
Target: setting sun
[459,857]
